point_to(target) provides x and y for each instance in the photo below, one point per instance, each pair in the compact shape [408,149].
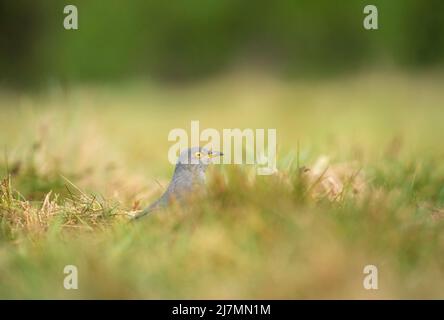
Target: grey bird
[188,178]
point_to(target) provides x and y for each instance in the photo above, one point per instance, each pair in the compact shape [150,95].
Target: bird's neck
[187,175]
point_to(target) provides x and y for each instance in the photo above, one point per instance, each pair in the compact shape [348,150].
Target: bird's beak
[215,154]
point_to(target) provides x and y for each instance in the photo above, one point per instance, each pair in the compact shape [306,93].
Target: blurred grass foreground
[360,182]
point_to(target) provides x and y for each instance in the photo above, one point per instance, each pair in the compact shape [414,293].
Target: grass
[360,181]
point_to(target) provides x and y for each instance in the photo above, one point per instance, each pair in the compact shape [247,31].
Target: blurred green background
[187,40]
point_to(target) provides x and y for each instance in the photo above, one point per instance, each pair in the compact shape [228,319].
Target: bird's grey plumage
[188,178]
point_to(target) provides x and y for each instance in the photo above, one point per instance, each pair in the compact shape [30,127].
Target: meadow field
[360,182]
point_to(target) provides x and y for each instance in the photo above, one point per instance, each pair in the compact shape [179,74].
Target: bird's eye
[198,155]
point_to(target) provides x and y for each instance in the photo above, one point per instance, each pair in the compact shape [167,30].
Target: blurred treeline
[182,40]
